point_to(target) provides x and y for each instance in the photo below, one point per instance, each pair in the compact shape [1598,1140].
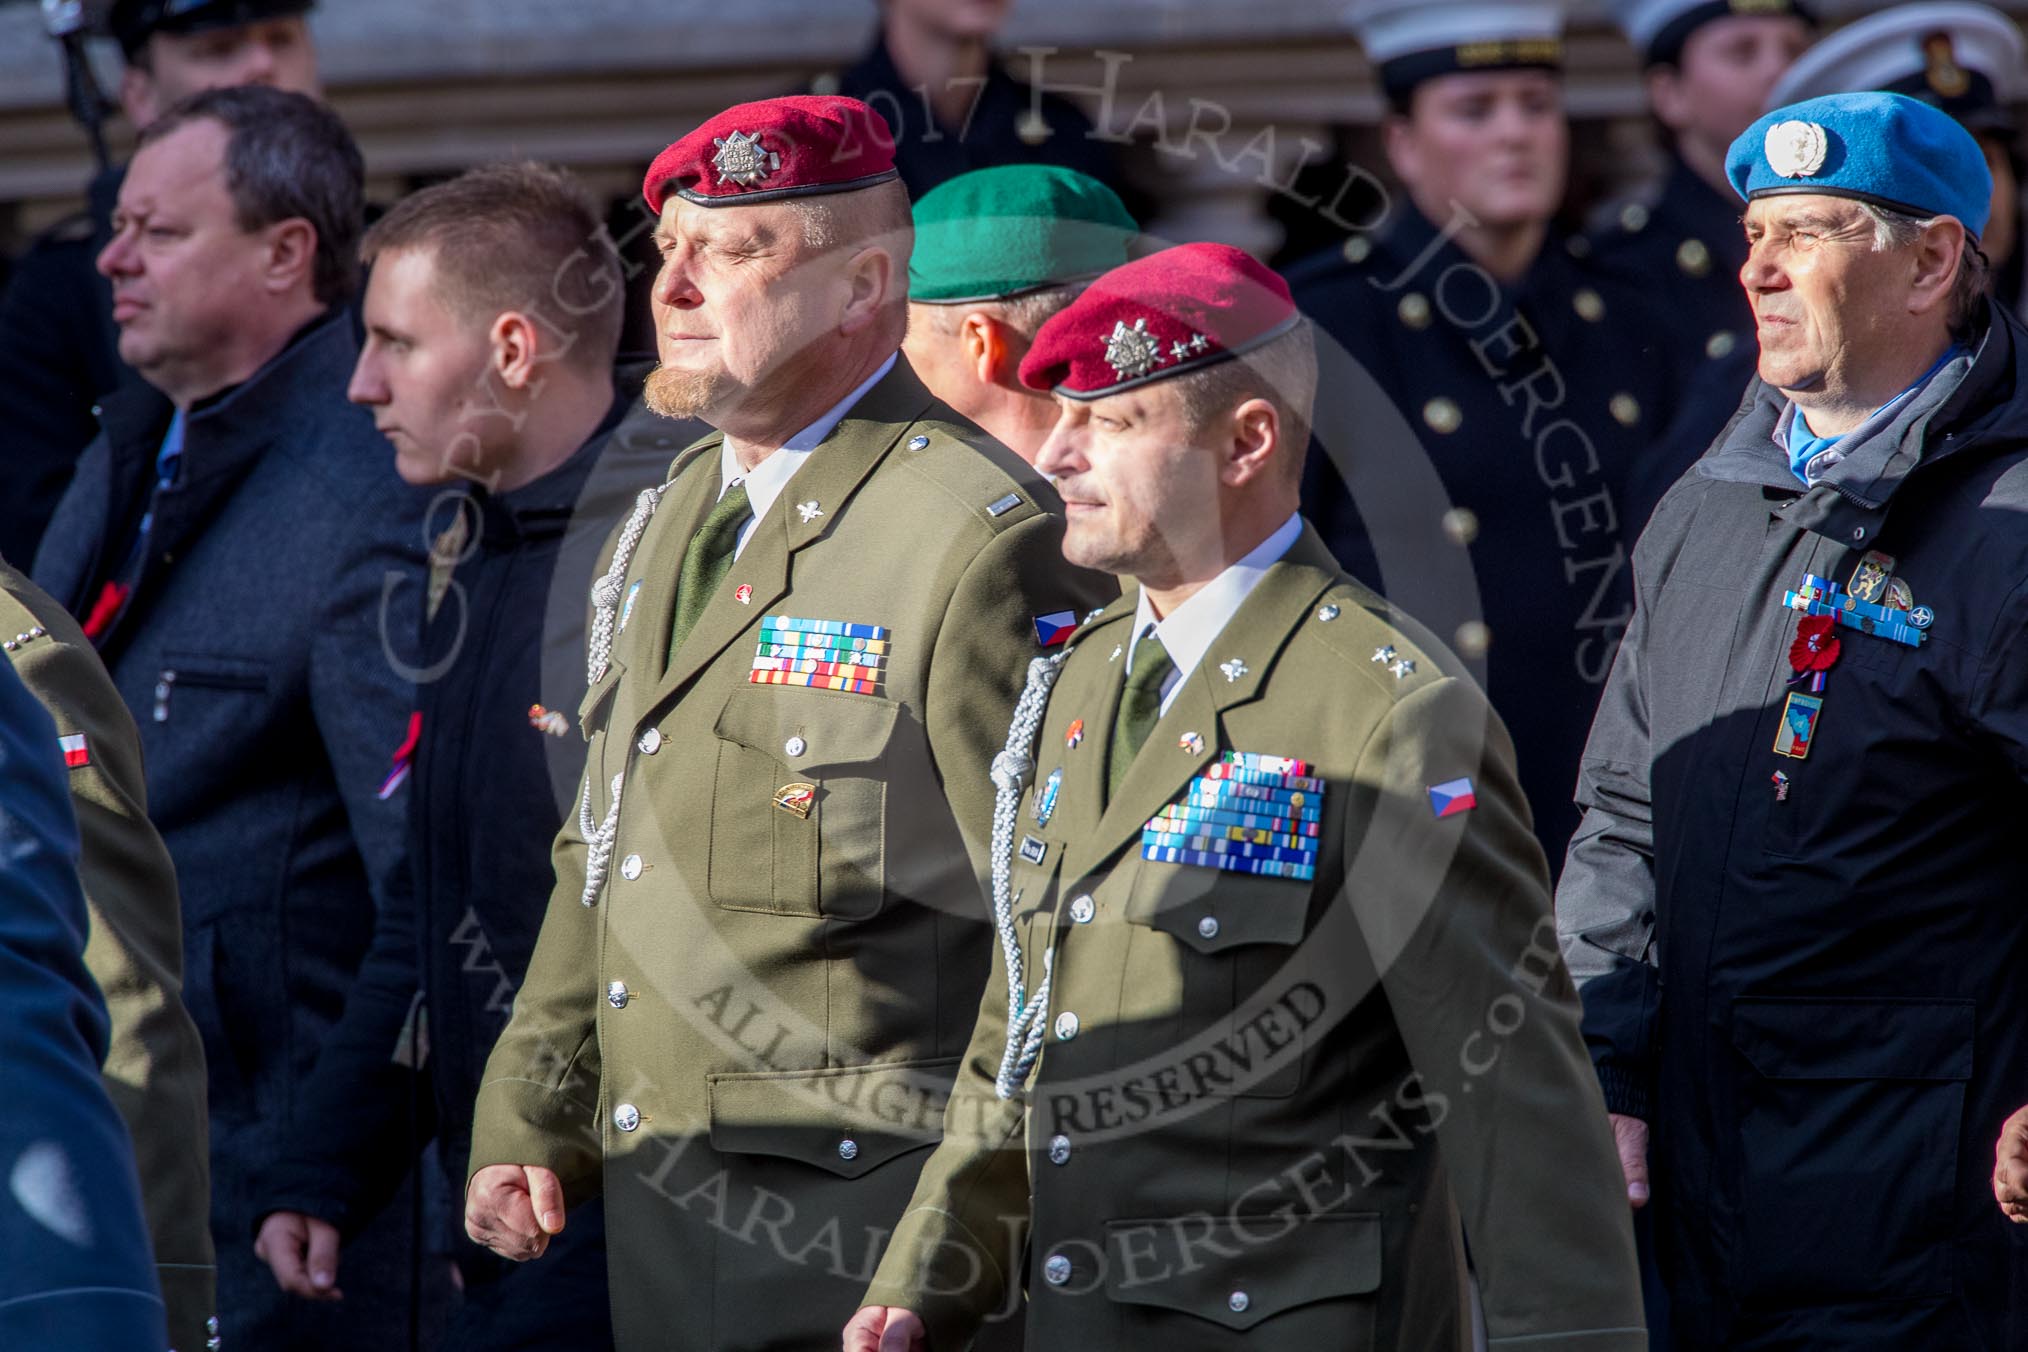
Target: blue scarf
[1805,445]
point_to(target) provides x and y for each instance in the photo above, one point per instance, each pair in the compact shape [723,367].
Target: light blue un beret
[1887,149]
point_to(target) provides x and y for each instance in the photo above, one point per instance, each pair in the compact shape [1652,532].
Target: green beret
[996,233]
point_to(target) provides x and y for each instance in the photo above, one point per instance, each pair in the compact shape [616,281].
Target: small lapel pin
[1384,655]
[810,510]
[743,594]
[796,799]
[547,720]
[1074,733]
[1233,670]
[1191,742]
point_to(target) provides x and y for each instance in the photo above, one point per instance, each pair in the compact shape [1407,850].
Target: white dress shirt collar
[1191,628]
[765,481]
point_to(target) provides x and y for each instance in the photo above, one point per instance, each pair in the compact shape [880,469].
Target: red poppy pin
[1815,650]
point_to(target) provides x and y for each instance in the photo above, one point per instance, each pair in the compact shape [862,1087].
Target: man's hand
[2010,1168]
[1630,1134]
[885,1328]
[513,1209]
[302,1252]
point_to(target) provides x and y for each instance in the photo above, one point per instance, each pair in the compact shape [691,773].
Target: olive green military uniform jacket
[744,1032]
[1264,1106]
[154,1067]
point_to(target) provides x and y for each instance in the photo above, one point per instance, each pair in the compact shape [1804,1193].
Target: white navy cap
[1962,57]
[1659,28]
[1410,41]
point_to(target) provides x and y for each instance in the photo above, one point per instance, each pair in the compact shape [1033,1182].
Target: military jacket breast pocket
[799,804]
[1236,932]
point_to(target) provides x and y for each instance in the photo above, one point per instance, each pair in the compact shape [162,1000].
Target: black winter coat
[1807,973]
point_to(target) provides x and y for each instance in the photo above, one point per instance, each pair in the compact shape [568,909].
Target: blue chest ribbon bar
[1820,596]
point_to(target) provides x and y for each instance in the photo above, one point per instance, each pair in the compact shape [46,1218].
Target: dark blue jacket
[487,795]
[262,655]
[75,1270]
[1474,443]
[1807,972]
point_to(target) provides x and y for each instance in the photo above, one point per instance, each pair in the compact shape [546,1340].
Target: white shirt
[1191,628]
[765,481]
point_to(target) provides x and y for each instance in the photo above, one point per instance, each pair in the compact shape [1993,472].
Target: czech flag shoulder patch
[1055,627]
[1451,797]
[76,755]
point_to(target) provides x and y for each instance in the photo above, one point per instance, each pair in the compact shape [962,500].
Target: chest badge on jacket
[1247,814]
[823,654]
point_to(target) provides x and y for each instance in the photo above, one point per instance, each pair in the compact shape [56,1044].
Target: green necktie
[1140,708]
[707,561]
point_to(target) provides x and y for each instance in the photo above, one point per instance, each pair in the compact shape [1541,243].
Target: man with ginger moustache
[997,252]
[1274,871]
[1790,903]
[768,932]
[492,318]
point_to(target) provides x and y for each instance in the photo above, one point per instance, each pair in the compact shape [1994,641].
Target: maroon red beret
[1170,313]
[796,146]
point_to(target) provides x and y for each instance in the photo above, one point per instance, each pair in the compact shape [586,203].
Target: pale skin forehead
[767,227]
[1790,212]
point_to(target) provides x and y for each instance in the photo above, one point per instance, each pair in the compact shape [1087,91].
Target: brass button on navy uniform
[630,867]
[1414,310]
[1059,1150]
[1057,1270]
[848,1149]
[1082,910]
[651,741]
[1626,409]
[1066,1026]
[1694,257]
[1443,415]
[616,994]
[1207,928]
[795,746]
[1590,306]
[1237,1302]
[626,1117]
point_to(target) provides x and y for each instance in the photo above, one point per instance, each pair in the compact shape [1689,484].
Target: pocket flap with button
[1855,1039]
[1238,1271]
[847,1121]
[831,727]
[1213,910]
[216,671]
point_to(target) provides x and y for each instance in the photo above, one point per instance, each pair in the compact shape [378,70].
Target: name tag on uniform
[822,654]
[1247,814]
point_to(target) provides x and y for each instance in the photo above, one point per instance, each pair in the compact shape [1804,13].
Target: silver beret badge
[1132,353]
[742,159]
[1796,149]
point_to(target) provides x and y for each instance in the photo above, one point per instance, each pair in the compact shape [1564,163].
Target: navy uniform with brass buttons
[1459,413]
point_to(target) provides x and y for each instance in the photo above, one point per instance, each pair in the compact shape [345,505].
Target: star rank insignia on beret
[1132,353]
[742,159]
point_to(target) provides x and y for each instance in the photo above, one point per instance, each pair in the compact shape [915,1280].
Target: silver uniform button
[1207,928]
[795,746]
[1056,1271]
[848,1149]
[1066,1026]
[630,867]
[918,443]
[1238,1301]
[1082,910]
[651,741]
[1059,1150]
[616,994]
[1326,614]
[626,1117]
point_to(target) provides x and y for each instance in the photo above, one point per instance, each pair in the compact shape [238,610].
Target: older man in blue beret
[1794,902]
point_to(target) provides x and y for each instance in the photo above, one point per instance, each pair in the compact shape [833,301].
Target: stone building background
[1225,100]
